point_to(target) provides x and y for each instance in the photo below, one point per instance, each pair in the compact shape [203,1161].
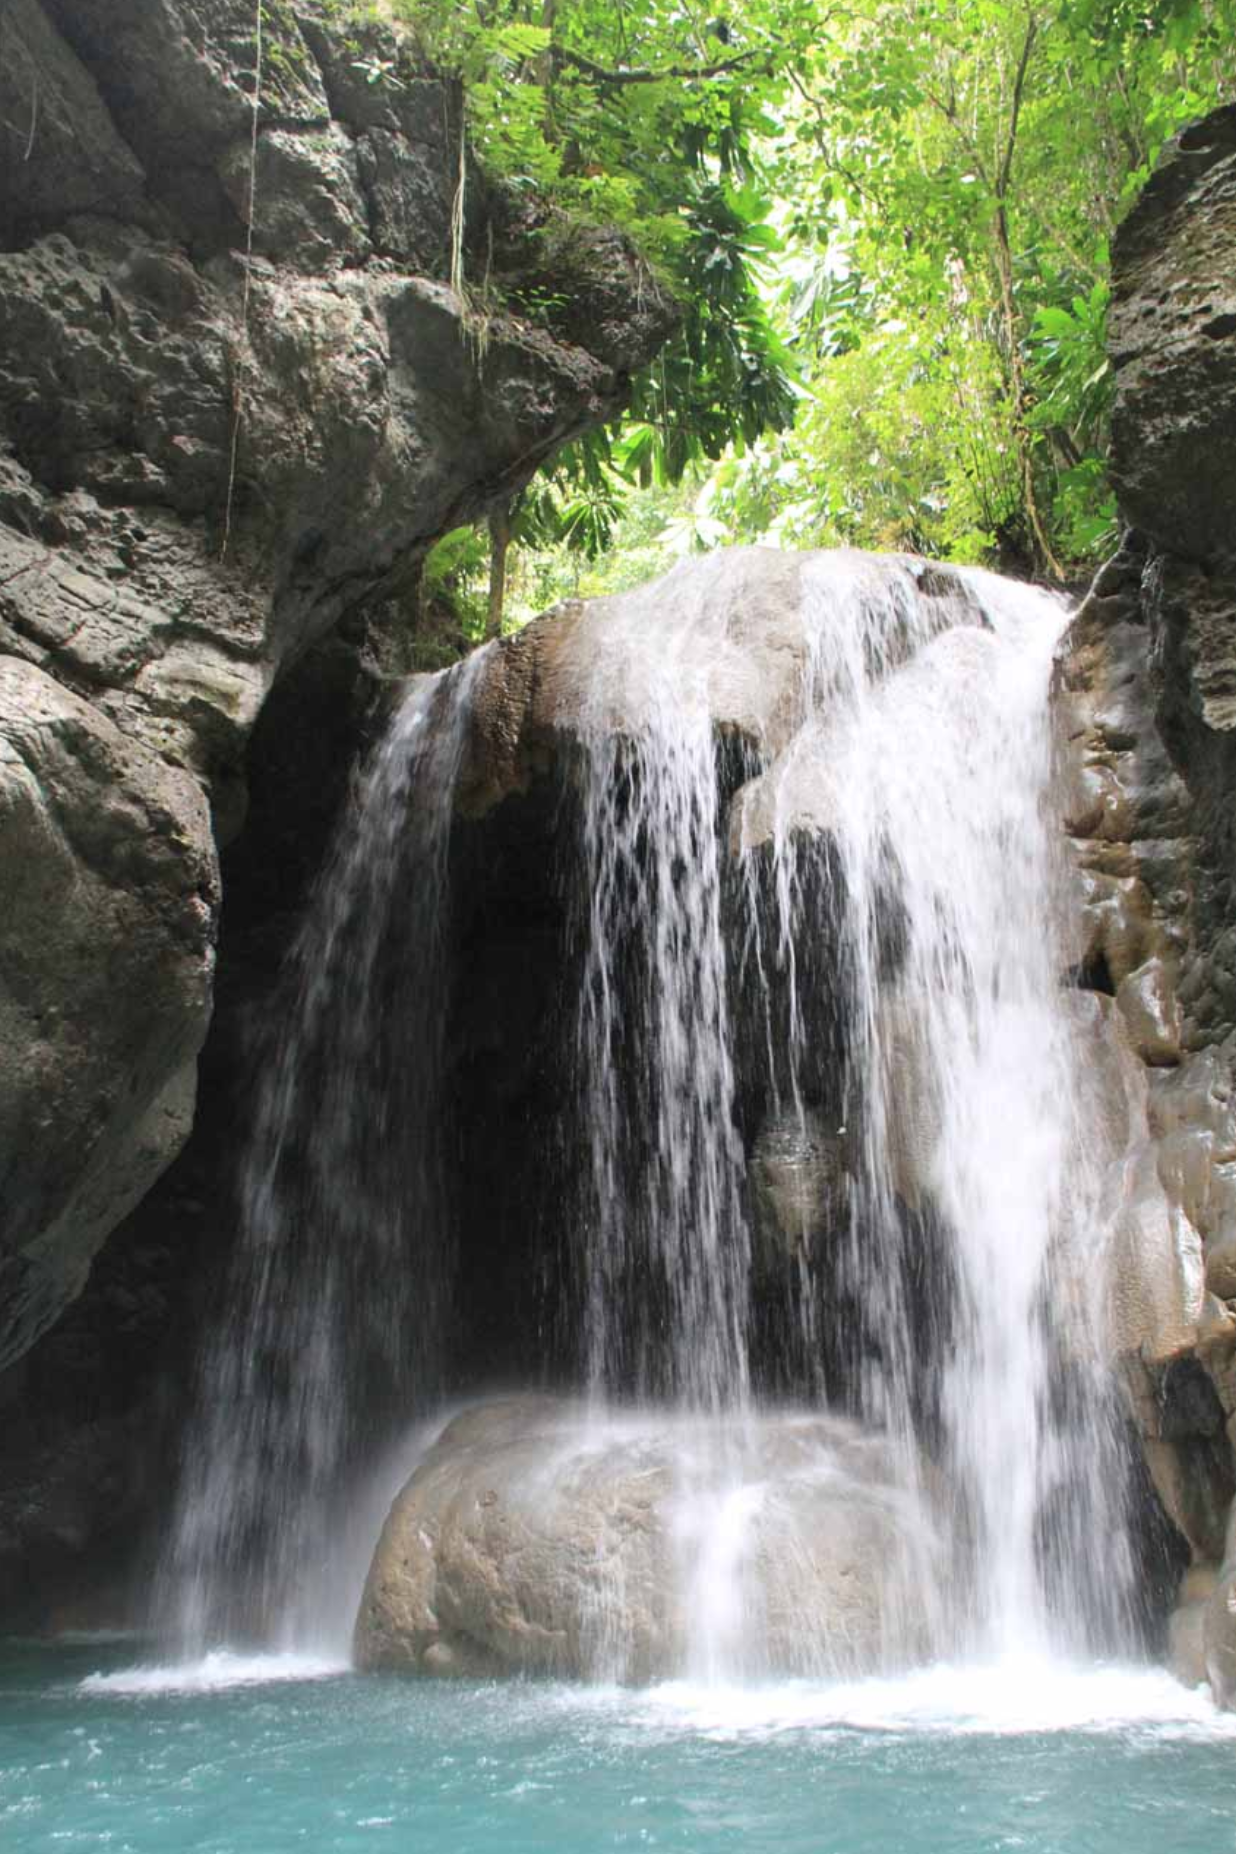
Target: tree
[970,162]
[907,349]
[645,116]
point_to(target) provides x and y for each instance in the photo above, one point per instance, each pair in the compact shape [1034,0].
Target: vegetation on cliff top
[888,223]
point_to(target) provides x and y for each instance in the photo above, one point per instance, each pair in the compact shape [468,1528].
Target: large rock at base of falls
[536,1537]
[207,462]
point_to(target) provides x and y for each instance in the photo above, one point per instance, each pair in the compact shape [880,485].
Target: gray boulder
[545,1537]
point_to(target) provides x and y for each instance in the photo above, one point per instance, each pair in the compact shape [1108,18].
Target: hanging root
[457,212]
[242,351]
[475,321]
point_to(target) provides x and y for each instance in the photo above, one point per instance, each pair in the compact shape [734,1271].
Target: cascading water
[316,1358]
[666,1227]
[828,1145]
[898,854]
[920,779]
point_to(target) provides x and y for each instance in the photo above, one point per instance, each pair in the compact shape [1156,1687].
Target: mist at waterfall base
[829,1254]
[942,1762]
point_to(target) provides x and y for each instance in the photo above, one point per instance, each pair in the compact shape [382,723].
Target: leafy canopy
[888,223]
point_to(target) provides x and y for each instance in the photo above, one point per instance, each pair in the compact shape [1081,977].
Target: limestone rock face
[539,1537]
[106,952]
[1173,332]
[238,401]
[1148,692]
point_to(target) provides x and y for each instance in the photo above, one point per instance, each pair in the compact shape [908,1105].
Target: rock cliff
[238,400]
[1148,687]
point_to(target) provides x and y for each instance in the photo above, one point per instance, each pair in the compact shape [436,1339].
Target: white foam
[214,1672]
[1011,1696]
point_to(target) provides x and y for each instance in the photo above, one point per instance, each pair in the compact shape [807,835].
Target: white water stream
[906,807]
[341,1196]
[865,864]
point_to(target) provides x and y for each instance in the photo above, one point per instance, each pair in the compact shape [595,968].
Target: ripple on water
[263,1755]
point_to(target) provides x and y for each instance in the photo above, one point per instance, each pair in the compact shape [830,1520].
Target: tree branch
[1019,85]
[825,152]
[601,74]
[949,112]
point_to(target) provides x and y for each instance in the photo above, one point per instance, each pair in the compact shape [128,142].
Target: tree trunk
[1022,436]
[499,542]
[1017,382]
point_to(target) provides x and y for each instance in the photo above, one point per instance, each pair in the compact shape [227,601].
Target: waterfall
[328,1333]
[830,1211]
[665,1224]
[900,910]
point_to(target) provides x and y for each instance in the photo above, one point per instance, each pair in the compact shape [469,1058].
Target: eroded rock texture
[1148,687]
[238,400]
[541,1536]
[206,461]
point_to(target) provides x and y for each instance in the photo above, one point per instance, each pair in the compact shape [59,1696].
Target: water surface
[229,1756]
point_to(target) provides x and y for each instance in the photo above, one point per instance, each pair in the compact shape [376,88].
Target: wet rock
[539,1537]
[1187,1451]
[1122,1233]
[1219,1625]
[800,1185]
[106,953]
[1221,1243]
[1186,1645]
[1147,1000]
[1119,930]
[208,465]
[912,1109]
[1173,335]
[553,684]
[1148,700]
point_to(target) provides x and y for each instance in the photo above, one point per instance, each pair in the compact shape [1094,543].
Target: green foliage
[643,117]
[1075,373]
[724,378]
[451,616]
[906,349]
[1075,385]
[951,179]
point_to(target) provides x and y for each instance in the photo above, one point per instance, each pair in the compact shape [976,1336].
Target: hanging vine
[243,352]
